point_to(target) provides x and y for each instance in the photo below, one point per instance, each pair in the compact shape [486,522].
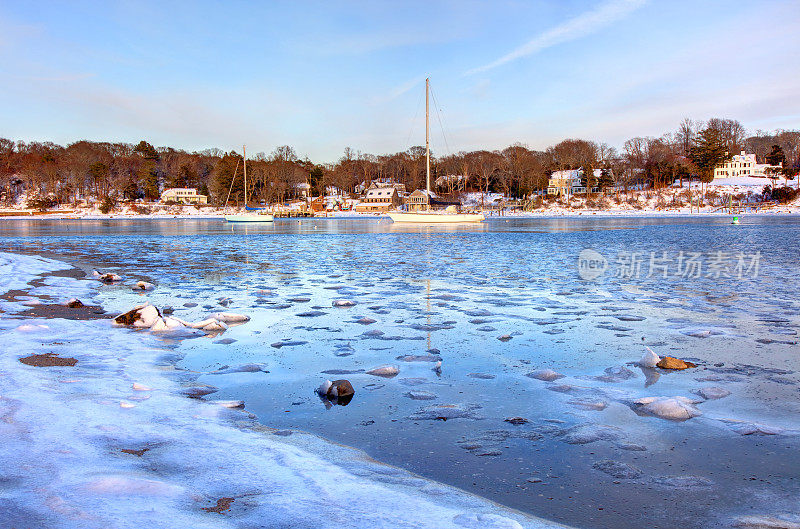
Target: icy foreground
[110,442]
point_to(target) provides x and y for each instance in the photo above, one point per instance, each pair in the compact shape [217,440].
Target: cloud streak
[575,28]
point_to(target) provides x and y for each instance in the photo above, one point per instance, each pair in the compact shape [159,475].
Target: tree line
[123,172]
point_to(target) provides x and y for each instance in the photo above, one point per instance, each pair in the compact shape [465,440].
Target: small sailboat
[450,215]
[251,214]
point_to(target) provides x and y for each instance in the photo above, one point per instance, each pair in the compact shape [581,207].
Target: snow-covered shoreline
[64,430]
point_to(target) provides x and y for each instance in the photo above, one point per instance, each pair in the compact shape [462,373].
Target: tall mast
[244,159]
[427,142]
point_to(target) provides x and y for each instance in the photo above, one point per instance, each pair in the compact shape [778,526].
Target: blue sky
[321,76]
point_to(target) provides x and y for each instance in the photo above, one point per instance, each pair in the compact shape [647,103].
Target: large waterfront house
[379,200]
[183,195]
[569,182]
[419,200]
[743,165]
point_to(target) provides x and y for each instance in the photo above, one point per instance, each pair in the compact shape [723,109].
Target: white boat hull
[435,217]
[249,218]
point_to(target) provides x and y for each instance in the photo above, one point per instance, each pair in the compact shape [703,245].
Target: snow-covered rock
[548,375]
[649,359]
[144,285]
[230,317]
[671,408]
[386,371]
[713,393]
[343,303]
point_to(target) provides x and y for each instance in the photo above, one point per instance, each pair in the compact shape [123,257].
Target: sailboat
[252,214]
[428,216]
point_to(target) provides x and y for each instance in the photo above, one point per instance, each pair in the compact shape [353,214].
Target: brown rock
[75,304]
[137,453]
[223,504]
[669,362]
[341,388]
[48,360]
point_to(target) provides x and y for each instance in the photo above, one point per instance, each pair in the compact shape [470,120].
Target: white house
[183,195]
[569,182]
[743,165]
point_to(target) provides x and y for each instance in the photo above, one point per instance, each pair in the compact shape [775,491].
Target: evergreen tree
[708,152]
[606,180]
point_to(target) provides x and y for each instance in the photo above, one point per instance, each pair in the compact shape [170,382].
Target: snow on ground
[64,429]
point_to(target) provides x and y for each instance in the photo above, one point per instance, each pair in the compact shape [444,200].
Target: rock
[591,433]
[548,375]
[343,303]
[617,469]
[74,303]
[669,362]
[671,408]
[167,309]
[420,358]
[144,285]
[482,376]
[386,371]
[223,504]
[244,368]
[143,316]
[504,338]
[649,359]
[516,420]
[615,374]
[588,404]
[437,368]
[683,482]
[48,360]
[230,317]
[752,428]
[337,392]
[195,392]
[420,395]
[444,412]
[106,278]
[365,321]
[713,393]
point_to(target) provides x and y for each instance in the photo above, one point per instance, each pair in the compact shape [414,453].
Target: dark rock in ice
[484,376]
[445,412]
[615,374]
[617,469]
[488,453]
[420,395]
[516,420]
[486,328]
[476,313]
[589,405]
[190,304]
[385,371]
[282,433]
[74,304]
[244,368]
[585,434]
[632,447]
[341,371]
[683,482]
[195,392]
[298,300]
[311,314]
[504,338]
[627,317]
[712,393]
[373,333]
[613,328]
[365,321]
[548,375]
[167,310]
[288,343]
[48,360]
[420,358]
[225,341]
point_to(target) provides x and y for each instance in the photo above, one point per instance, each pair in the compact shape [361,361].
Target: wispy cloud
[580,26]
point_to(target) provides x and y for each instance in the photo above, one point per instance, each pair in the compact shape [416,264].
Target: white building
[742,165]
[569,182]
[183,195]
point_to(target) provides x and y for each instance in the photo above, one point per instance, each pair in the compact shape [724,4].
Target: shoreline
[373,490]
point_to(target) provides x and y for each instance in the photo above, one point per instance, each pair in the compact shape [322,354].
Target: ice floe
[671,408]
